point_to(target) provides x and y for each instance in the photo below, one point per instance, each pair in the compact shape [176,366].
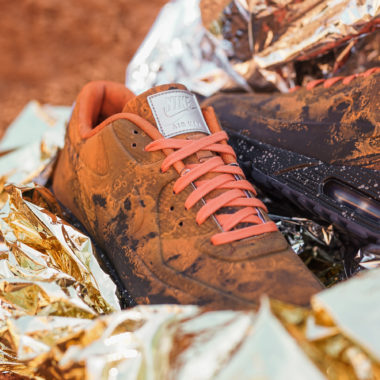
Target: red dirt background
[50,48]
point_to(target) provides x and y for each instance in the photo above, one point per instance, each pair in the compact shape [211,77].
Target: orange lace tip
[314,83]
[243,233]
[293,89]
[370,71]
[329,82]
[348,79]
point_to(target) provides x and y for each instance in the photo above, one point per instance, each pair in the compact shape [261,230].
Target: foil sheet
[31,142]
[280,31]
[38,247]
[181,50]
[179,342]
[320,247]
[270,41]
[210,45]
[368,257]
[359,295]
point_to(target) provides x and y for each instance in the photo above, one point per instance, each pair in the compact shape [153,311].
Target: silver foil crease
[31,142]
[288,30]
[179,49]
[244,43]
[368,257]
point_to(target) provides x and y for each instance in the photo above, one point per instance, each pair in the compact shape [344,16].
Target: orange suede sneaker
[155,183]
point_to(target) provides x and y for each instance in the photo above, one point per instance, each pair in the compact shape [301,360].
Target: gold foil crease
[47,268]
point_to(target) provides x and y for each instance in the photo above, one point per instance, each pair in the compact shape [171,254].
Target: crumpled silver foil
[266,38]
[179,49]
[245,43]
[321,247]
[297,229]
[281,31]
[324,250]
[368,257]
[31,143]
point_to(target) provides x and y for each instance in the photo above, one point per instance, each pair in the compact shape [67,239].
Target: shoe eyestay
[234,189]
[237,191]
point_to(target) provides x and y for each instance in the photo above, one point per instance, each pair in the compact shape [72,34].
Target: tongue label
[177,112]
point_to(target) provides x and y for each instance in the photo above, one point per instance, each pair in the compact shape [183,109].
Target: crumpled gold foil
[47,268]
[185,342]
[278,31]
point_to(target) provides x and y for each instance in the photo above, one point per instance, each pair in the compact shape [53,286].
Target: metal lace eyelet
[184,172]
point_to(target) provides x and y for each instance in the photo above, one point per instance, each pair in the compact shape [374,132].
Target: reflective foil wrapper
[185,342]
[181,50]
[279,31]
[320,247]
[47,268]
[31,142]
[268,41]
[210,45]
[367,257]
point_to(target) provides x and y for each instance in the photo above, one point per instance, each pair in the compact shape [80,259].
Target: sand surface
[50,48]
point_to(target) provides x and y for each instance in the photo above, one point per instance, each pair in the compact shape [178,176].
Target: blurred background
[50,48]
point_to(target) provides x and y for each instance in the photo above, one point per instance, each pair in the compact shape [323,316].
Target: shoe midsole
[347,196]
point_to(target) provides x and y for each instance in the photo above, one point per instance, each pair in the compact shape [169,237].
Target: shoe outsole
[300,179]
[125,298]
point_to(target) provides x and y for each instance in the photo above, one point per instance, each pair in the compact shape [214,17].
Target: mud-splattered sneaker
[154,181]
[318,146]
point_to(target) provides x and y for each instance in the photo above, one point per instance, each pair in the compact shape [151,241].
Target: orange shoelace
[331,81]
[231,179]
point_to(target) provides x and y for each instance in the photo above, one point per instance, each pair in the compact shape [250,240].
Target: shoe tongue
[171,108]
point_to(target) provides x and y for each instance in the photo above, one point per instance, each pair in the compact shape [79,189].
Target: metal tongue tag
[177,112]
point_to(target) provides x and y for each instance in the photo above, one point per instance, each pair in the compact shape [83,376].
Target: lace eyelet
[184,172]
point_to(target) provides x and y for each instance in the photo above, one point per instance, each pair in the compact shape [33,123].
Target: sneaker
[318,146]
[155,183]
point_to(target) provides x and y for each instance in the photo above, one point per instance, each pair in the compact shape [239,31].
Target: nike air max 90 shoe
[155,183]
[318,146]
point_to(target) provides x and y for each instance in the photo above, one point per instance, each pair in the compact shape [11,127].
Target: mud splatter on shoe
[155,183]
[318,146]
